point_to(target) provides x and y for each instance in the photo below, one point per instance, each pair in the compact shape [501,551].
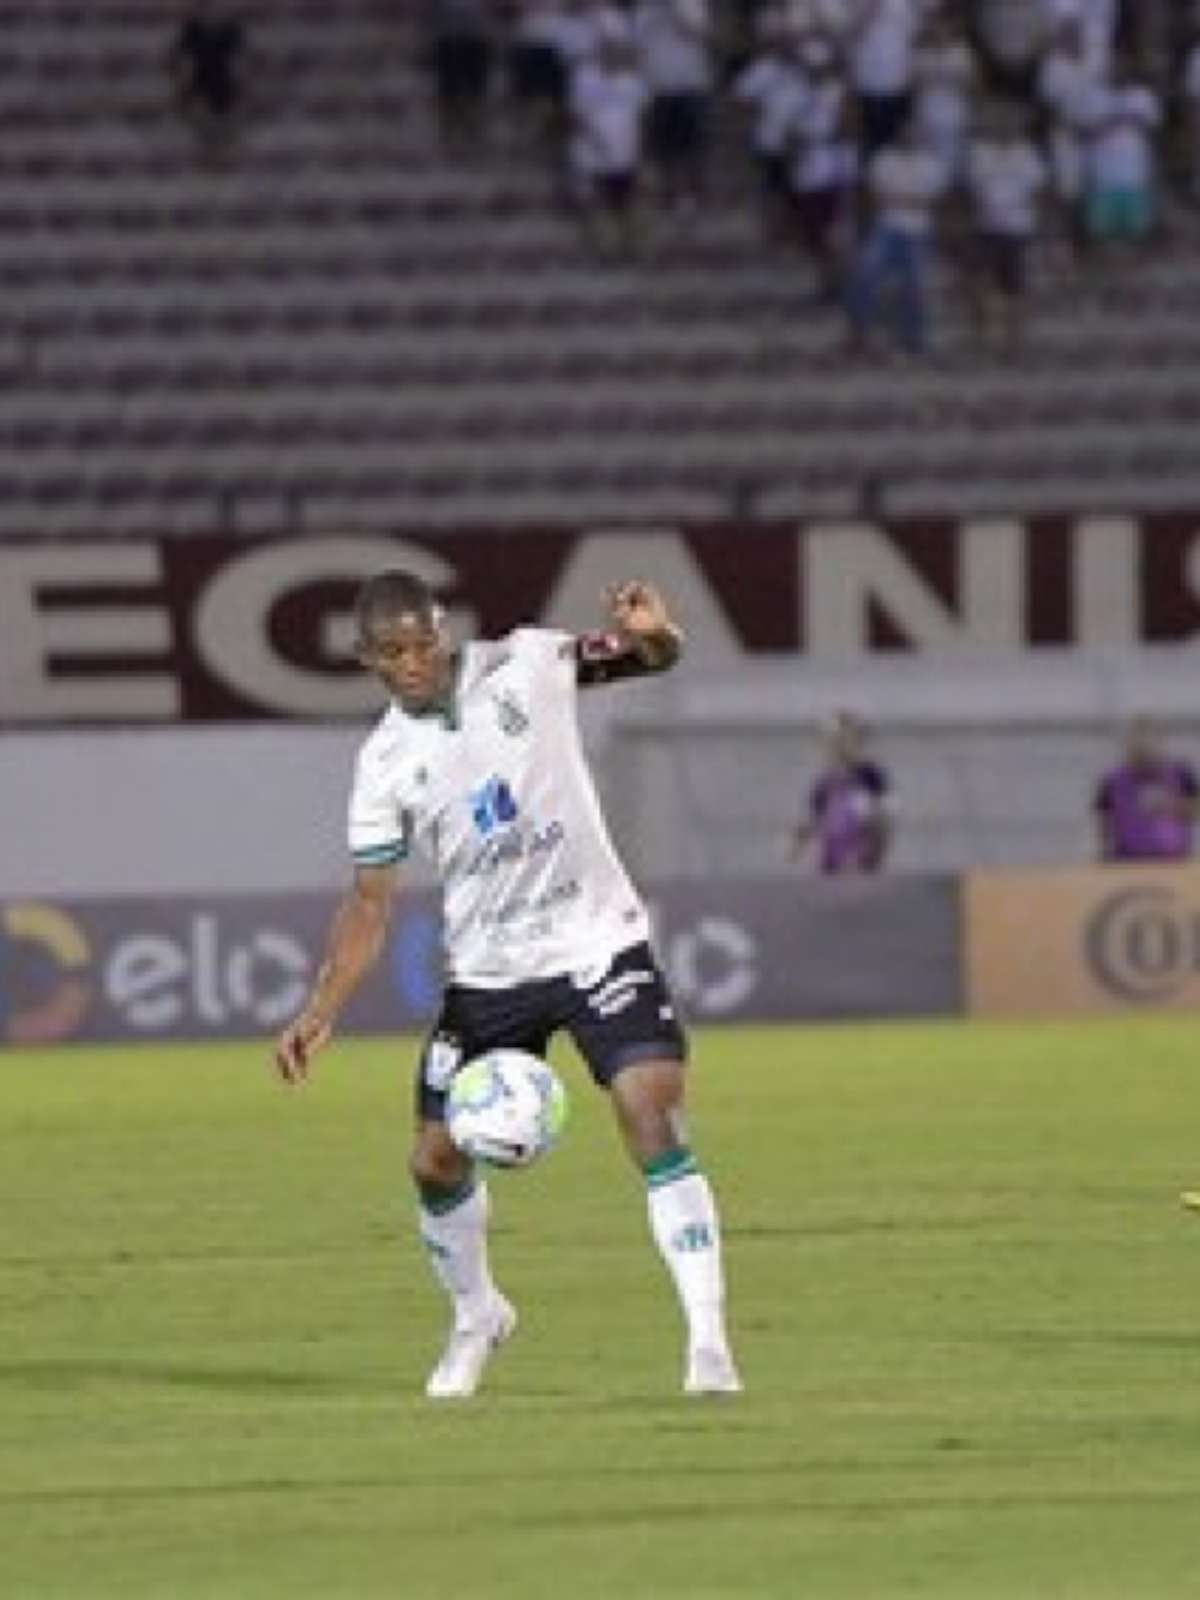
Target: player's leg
[625,1027]
[453,1198]
[454,1209]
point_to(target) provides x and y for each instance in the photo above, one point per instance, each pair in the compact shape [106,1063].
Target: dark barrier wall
[237,966]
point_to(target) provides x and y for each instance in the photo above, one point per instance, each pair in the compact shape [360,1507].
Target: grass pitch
[966,1302]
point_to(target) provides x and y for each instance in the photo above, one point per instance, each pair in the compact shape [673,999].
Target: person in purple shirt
[850,809]
[1146,807]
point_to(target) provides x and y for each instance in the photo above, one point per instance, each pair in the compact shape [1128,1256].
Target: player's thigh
[625,1026]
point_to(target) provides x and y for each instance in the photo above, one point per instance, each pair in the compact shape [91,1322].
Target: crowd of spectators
[880,130]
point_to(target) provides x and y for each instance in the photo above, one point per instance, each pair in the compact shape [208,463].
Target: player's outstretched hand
[638,610]
[297,1045]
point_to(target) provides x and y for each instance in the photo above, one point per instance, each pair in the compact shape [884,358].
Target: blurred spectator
[538,71]
[822,164]
[1146,807]
[1065,86]
[904,183]
[1191,111]
[881,38]
[208,67]
[608,104]
[461,54]
[851,812]
[675,48]
[1096,21]
[943,85]
[1005,176]
[772,85]
[1119,124]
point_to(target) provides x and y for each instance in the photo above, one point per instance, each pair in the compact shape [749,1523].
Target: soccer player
[1147,806]
[478,764]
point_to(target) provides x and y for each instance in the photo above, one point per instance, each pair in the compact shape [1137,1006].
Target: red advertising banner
[203,630]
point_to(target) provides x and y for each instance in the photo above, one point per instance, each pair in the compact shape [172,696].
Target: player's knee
[648,1099]
[435,1161]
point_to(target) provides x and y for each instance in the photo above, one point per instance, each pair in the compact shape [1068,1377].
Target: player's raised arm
[356,939]
[641,637]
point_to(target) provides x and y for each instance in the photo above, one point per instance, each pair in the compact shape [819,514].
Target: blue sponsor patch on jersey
[493,806]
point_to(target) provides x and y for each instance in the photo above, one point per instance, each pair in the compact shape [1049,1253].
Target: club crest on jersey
[510,714]
[492,806]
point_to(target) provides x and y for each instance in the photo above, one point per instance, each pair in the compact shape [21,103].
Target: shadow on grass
[71,1374]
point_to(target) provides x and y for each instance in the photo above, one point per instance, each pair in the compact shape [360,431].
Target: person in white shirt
[944,77]
[1120,122]
[1065,87]
[608,103]
[675,49]
[538,71]
[1097,24]
[772,86]
[1005,177]
[904,183]
[822,163]
[881,37]
[478,765]
[1191,112]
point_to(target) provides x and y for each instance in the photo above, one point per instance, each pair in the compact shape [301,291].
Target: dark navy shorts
[622,1015]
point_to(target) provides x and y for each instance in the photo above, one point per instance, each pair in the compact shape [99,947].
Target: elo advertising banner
[1094,939]
[224,967]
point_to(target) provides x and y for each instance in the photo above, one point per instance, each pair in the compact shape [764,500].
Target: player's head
[402,638]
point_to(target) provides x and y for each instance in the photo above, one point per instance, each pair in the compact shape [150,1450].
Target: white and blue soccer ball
[506,1108]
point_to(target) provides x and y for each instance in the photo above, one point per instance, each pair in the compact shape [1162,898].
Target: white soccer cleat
[711,1371]
[457,1374]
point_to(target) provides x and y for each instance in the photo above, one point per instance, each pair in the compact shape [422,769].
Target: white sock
[456,1240]
[683,1220]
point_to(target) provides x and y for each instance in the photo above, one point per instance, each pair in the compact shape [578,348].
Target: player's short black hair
[393,594]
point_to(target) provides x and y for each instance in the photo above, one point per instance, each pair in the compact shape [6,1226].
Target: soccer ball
[506,1107]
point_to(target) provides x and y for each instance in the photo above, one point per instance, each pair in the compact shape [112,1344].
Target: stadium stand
[341,327]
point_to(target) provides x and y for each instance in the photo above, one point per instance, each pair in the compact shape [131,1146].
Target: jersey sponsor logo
[493,806]
[510,714]
[522,906]
[515,845]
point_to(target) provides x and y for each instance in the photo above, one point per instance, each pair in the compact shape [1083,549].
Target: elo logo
[60,980]
[1143,944]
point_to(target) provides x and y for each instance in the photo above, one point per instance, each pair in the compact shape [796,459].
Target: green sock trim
[670,1167]
[438,1200]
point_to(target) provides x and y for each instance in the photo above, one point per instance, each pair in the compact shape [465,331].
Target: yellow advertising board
[1083,940]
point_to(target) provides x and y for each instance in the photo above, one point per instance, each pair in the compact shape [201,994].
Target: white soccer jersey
[495,793]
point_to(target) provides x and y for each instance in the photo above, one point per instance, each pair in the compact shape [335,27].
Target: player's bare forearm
[356,940]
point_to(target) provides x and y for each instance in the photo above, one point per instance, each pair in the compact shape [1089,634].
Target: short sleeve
[377,827]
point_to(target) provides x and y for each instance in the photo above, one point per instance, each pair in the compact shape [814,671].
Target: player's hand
[637,610]
[297,1045]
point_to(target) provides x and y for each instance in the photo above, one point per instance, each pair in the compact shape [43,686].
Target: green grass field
[965,1296]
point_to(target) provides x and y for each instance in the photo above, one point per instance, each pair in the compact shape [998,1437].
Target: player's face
[409,653]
